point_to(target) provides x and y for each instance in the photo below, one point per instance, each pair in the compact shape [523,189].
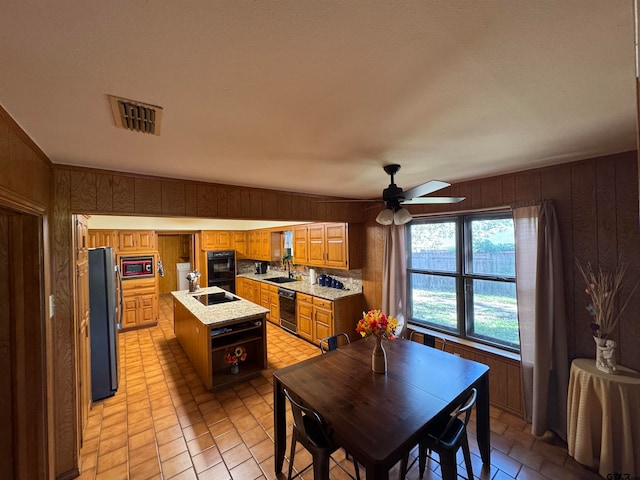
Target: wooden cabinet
[304,316]
[137,241]
[333,245]
[140,300]
[241,287]
[315,245]
[318,318]
[264,245]
[274,305]
[248,289]
[300,256]
[240,244]
[322,318]
[83,342]
[103,238]
[265,299]
[215,240]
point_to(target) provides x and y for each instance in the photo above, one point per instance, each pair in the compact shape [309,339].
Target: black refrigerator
[105,318]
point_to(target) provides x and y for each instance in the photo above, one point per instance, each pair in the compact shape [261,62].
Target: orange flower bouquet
[376,323]
[238,354]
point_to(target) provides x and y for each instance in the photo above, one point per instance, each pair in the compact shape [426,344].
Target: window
[461,277]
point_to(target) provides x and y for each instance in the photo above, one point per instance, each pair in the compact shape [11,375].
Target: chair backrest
[463,409]
[308,423]
[330,343]
[429,340]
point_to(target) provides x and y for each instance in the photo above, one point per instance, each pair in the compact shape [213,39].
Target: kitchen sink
[280,279]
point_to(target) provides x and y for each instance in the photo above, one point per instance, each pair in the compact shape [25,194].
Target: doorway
[23,391]
[173,248]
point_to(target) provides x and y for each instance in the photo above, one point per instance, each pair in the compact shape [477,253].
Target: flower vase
[379,357]
[605,355]
[235,368]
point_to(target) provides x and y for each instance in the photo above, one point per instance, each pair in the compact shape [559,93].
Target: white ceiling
[315,96]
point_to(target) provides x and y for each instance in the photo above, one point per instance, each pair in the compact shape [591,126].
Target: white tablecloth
[603,418]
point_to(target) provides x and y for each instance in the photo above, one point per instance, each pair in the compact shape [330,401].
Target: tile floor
[163,423]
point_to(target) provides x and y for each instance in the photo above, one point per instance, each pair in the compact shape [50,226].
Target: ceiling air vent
[136,116]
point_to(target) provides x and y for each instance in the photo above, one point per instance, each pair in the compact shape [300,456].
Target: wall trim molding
[19,203]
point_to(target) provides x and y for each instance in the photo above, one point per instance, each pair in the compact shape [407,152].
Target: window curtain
[542,318]
[394,276]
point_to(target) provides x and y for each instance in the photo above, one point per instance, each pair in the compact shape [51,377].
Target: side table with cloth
[603,418]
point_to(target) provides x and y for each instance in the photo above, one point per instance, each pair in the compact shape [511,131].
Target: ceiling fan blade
[426,188]
[346,200]
[432,200]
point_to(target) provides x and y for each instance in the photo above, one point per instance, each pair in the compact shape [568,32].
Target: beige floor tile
[206,459]
[176,465]
[145,470]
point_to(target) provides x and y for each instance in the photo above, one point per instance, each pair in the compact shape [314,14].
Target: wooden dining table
[379,417]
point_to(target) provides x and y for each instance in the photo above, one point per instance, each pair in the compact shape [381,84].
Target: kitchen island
[211,323]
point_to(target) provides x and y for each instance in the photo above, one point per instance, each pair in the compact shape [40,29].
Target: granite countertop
[303,286]
[222,313]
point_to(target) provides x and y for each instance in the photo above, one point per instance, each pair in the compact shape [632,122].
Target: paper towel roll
[312,276]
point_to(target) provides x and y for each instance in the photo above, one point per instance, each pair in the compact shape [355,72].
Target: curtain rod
[505,208]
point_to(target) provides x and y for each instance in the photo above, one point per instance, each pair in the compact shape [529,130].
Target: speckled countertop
[303,286]
[222,313]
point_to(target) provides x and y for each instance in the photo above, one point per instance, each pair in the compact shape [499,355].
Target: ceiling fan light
[402,216]
[385,217]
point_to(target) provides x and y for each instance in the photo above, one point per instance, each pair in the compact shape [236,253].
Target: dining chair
[330,343]
[429,340]
[313,434]
[445,437]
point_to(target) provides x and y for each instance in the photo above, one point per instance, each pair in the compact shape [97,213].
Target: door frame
[24,342]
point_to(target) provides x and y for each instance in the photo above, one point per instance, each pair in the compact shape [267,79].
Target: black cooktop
[215,298]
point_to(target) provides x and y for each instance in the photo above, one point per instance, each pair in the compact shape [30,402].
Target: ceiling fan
[394,197]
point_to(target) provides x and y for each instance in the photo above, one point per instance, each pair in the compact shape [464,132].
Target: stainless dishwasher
[288,310]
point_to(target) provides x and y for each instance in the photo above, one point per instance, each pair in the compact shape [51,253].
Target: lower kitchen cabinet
[265,300]
[323,318]
[318,318]
[274,304]
[140,303]
[304,316]
[248,289]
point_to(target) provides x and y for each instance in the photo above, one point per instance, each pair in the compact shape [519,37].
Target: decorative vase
[379,357]
[605,354]
[235,368]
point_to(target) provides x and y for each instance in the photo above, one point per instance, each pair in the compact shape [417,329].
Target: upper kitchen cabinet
[240,244]
[332,245]
[300,256]
[137,241]
[216,240]
[103,238]
[264,245]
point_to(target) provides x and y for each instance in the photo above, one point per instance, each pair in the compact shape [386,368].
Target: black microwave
[136,267]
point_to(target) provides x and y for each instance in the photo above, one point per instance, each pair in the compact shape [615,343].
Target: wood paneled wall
[26,171]
[596,202]
[107,193]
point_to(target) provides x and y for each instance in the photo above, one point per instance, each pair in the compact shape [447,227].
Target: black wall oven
[221,269]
